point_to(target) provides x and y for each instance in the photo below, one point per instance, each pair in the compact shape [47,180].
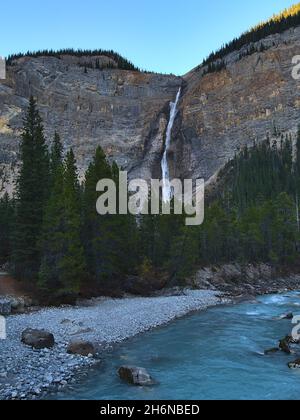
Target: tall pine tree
[54,222]
[72,264]
[32,188]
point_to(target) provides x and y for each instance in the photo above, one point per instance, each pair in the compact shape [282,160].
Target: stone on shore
[82,348]
[38,339]
[135,376]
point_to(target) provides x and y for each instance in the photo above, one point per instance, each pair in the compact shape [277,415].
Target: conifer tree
[111,239]
[32,189]
[53,225]
[72,264]
[93,226]
[63,263]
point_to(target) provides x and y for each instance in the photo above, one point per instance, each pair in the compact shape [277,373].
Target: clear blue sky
[168,36]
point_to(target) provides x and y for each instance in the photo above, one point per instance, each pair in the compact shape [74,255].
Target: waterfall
[167,193]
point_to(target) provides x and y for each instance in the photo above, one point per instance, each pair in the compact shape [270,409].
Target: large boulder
[135,376]
[38,339]
[82,348]
[5,306]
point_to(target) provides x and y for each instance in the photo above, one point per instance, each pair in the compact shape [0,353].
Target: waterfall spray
[167,193]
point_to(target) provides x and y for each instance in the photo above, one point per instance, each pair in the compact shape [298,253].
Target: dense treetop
[287,19]
[52,237]
[122,63]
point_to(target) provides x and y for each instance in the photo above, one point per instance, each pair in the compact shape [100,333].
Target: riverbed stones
[135,376]
[82,348]
[37,339]
[25,369]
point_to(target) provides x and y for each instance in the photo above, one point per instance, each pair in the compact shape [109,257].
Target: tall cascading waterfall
[167,193]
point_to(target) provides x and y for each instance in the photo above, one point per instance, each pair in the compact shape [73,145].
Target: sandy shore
[28,374]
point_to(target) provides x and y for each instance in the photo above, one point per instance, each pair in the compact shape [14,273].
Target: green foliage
[262,172]
[255,217]
[60,240]
[110,240]
[215,67]
[72,263]
[63,263]
[32,189]
[51,239]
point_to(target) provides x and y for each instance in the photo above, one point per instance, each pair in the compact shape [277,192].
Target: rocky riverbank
[27,373]
[243,280]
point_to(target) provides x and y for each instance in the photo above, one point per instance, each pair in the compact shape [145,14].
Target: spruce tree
[32,189]
[52,244]
[111,239]
[72,264]
[63,263]
[94,224]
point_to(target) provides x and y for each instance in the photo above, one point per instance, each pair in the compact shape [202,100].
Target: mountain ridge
[126,112]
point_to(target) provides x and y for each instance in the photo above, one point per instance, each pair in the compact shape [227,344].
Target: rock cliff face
[222,111]
[127,112]
[123,111]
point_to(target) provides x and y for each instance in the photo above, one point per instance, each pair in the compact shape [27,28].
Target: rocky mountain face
[127,112]
[223,111]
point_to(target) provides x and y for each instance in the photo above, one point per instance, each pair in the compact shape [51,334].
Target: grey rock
[38,339]
[122,111]
[135,376]
[127,112]
[82,348]
[243,280]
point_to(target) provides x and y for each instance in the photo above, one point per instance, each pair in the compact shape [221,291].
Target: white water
[167,193]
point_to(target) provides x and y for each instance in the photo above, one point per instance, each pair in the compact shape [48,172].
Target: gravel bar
[29,374]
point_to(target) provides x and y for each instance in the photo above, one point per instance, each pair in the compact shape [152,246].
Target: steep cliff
[123,111]
[127,111]
[221,112]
